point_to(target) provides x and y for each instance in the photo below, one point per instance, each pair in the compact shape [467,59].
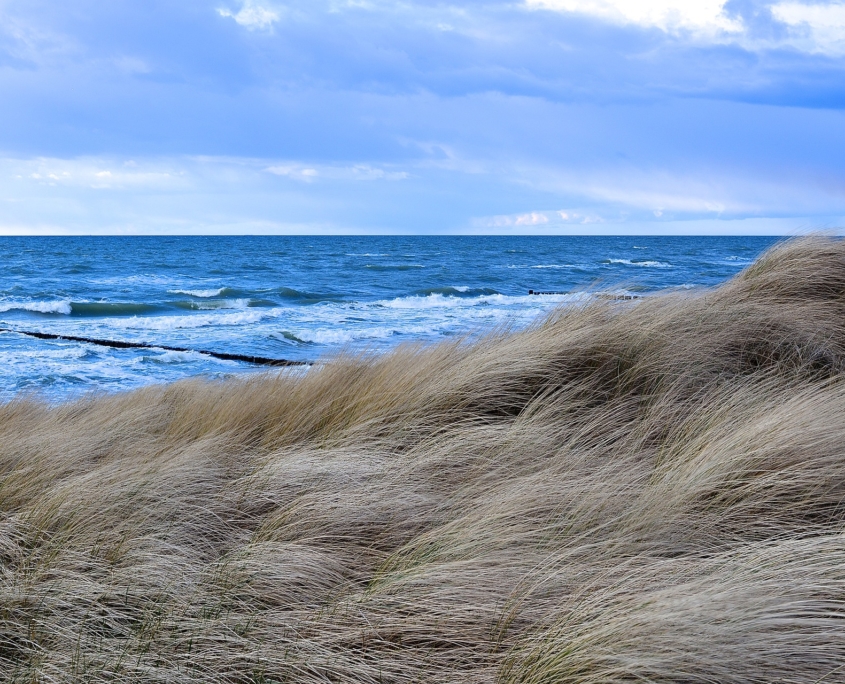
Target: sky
[422,116]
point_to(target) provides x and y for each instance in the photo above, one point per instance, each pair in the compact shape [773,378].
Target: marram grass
[649,492]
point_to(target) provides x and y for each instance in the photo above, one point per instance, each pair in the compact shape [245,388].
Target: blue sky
[367,116]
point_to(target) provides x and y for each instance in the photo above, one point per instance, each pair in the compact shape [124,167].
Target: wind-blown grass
[623,492]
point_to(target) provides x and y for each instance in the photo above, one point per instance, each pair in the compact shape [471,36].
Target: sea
[302,298]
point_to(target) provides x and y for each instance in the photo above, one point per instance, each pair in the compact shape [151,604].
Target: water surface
[301,298]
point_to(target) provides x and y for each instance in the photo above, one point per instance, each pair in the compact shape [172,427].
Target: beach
[644,490]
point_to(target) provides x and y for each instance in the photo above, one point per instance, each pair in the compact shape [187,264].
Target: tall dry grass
[651,492]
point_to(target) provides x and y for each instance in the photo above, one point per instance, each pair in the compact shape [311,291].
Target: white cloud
[535,218]
[549,219]
[358,172]
[91,173]
[816,27]
[252,15]
[703,16]
[293,171]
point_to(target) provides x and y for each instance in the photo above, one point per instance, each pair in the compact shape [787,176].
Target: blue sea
[302,298]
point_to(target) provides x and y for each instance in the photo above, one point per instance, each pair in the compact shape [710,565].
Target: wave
[65,307]
[336,336]
[463,291]
[215,304]
[229,292]
[171,357]
[304,297]
[287,336]
[552,266]
[59,307]
[199,293]
[92,309]
[439,301]
[393,267]
[644,264]
[245,317]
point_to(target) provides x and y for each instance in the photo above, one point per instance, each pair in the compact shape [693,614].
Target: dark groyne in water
[597,295]
[119,344]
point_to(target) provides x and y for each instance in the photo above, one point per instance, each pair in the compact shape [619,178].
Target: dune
[643,491]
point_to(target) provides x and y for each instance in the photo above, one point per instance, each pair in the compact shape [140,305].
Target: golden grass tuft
[623,492]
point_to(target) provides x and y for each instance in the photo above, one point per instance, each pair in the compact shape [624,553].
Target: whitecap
[62,307]
[644,264]
[196,321]
[203,294]
[221,304]
[171,357]
[439,301]
[334,336]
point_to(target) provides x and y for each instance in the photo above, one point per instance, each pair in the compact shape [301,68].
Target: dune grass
[648,492]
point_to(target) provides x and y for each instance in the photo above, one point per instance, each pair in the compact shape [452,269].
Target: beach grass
[647,491]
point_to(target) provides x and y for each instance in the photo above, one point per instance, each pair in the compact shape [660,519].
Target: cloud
[704,16]
[809,27]
[814,28]
[94,173]
[241,194]
[252,16]
[537,218]
[357,172]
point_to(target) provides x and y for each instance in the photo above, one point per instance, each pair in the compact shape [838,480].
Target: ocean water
[302,298]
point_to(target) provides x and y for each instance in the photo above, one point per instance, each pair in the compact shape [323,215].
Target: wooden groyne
[599,295]
[120,344]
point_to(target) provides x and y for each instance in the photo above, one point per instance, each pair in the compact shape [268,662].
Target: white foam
[170,357]
[55,307]
[222,304]
[432,301]
[199,293]
[439,301]
[644,264]
[557,266]
[195,321]
[333,336]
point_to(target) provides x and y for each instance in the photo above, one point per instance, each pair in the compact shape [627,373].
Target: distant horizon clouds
[368,116]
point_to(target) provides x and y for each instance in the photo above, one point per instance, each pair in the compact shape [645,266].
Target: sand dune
[631,491]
